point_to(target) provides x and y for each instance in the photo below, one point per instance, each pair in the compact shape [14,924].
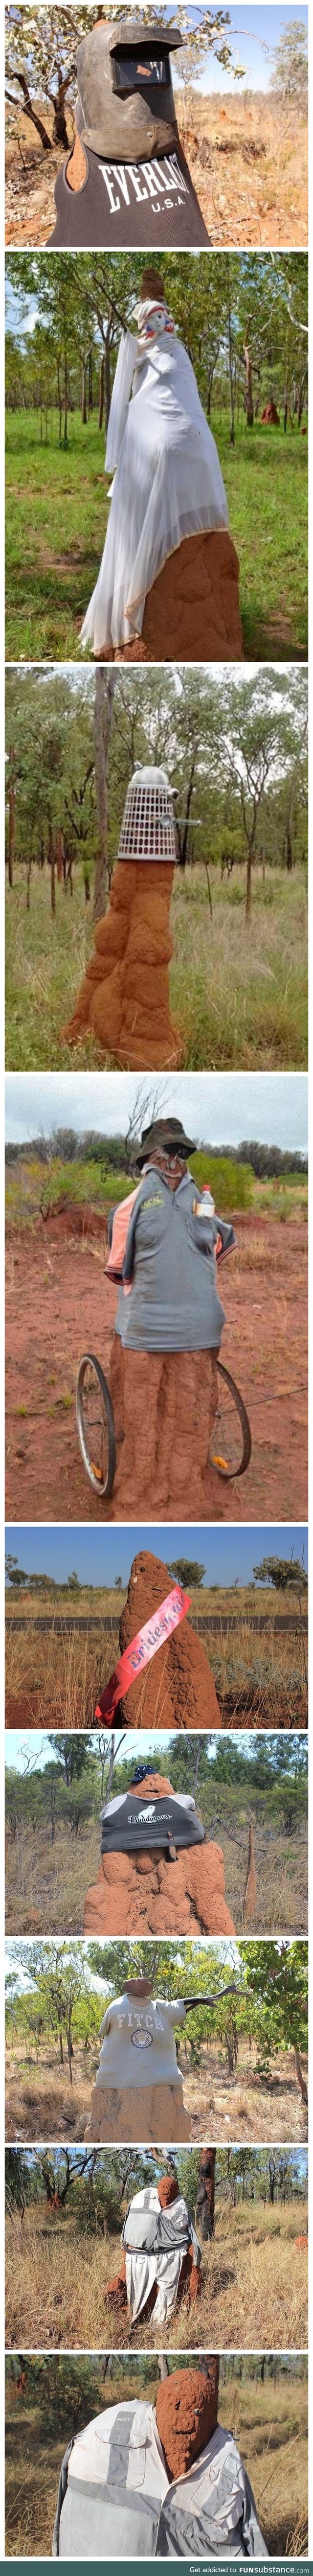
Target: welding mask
[125,105]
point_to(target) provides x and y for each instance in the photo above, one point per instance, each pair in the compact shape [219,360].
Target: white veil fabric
[167,477]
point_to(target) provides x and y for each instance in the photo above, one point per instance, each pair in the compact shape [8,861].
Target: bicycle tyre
[99,1486]
[228,1475]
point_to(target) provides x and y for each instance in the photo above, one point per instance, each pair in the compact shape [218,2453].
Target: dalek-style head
[125,106]
[149,827]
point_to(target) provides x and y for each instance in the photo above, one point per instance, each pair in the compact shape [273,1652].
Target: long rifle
[220,1991]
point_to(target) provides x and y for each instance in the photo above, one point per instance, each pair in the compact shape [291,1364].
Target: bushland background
[64,2213]
[235,749]
[244,323]
[263,2400]
[243,2059]
[53,1821]
[243,144]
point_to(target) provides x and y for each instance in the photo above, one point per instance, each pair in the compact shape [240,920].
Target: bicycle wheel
[230,1444]
[95,1425]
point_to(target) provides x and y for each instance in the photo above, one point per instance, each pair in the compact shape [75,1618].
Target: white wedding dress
[168,483]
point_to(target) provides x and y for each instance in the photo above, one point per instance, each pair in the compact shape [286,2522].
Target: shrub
[231,1183]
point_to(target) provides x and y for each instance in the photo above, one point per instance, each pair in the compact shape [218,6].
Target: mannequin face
[172,1166]
[186,2414]
[167,2190]
[138,1988]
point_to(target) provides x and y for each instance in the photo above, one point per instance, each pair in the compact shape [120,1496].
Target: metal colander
[148,827]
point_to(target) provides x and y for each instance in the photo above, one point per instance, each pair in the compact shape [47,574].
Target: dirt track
[59,1303]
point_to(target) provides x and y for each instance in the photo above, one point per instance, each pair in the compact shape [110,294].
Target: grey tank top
[152,205]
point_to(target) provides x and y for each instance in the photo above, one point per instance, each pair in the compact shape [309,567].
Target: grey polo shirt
[170,1262]
[138,2045]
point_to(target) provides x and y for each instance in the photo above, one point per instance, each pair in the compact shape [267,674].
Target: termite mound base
[192,611]
[137,2114]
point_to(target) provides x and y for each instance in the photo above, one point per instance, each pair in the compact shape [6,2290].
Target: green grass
[238,993]
[56,521]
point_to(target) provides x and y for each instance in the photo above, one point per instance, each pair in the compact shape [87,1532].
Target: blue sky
[253,33]
[98,1555]
[219,1108]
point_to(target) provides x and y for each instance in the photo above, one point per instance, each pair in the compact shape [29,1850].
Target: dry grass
[56,1678]
[259,1673]
[254,2286]
[46,1882]
[41,2104]
[255,190]
[206,1600]
[248,160]
[269,2423]
[238,991]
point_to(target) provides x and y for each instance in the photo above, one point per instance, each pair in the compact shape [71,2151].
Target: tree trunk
[249,884]
[51,860]
[300,2077]
[248,392]
[11,849]
[59,128]
[29,110]
[107,380]
[288,849]
[104,702]
[231,385]
[60,404]
[101,392]
[84,394]
[65,440]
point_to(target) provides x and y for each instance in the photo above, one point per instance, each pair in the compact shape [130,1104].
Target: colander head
[148,827]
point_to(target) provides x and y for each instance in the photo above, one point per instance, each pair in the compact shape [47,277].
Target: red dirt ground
[59,1303]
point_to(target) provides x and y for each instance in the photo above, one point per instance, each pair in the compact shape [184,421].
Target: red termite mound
[189,2279]
[177,1689]
[124,998]
[144,1889]
[270,415]
[192,611]
[165,1405]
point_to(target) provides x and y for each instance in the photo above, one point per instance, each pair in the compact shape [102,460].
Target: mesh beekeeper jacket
[127,1826]
[116,2501]
[149,2229]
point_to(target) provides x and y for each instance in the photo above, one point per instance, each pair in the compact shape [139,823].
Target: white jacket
[116,2501]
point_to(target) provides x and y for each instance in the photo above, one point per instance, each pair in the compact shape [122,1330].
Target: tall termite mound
[177,1688]
[142,1889]
[124,997]
[192,611]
